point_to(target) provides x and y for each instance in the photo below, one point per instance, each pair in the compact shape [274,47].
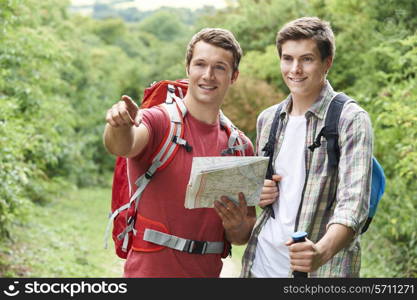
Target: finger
[125,117]
[276,178]
[230,210]
[242,201]
[269,190]
[132,108]
[300,247]
[271,197]
[129,102]
[221,207]
[116,117]
[109,119]
[300,262]
[304,255]
[305,269]
[224,213]
[269,183]
[228,203]
[218,210]
[289,242]
[264,203]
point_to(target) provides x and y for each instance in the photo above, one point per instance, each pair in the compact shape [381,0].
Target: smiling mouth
[207,87]
[297,79]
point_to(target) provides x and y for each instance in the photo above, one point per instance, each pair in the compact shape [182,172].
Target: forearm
[118,141]
[336,238]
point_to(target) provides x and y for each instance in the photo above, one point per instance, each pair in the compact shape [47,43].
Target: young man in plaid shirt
[331,206]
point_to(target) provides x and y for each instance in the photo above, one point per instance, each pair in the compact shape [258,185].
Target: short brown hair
[217,37]
[308,28]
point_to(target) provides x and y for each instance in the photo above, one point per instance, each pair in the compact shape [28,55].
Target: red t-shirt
[163,200]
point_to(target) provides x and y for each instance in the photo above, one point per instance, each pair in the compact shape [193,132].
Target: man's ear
[329,63]
[235,75]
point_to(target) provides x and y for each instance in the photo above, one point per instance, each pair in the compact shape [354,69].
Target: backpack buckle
[171,88]
[228,151]
[268,148]
[179,141]
[148,175]
[315,145]
[195,247]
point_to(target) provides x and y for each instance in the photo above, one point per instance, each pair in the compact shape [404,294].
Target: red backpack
[124,204]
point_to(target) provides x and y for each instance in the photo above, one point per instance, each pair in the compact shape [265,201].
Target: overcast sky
[154,4]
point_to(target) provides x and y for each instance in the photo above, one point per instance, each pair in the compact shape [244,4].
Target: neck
[302,102]
[300,106]
[203,112]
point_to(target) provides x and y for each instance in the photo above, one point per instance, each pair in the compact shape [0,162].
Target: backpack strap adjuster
[179,141]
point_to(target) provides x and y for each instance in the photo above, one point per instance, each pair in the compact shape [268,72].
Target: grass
[64,238]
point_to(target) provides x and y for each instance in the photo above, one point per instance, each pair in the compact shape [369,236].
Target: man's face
[210,73]
[302,68]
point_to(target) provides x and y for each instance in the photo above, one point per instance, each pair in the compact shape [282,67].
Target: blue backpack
[331,134]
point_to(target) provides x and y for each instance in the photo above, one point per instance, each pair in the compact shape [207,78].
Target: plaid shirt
[341,197]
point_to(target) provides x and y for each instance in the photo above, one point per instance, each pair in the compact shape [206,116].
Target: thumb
[289,242]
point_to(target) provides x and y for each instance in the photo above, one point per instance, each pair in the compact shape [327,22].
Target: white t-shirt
[272,256]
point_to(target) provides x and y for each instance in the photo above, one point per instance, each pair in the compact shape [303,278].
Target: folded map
[213,177]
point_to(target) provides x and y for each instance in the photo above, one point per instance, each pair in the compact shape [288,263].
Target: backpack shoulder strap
[235,144]
[331,132]
[269,147]
[176,110]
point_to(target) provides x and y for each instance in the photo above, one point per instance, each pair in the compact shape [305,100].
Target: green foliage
[246,98]
[255,23]
[163,25]
[264,65]
[59,75]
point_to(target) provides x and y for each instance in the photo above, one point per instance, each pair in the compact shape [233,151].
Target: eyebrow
[222,63]
[217,62]
[303,55]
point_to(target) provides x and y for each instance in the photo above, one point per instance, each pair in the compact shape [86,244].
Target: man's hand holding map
[213,177]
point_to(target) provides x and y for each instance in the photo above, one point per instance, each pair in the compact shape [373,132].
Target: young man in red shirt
[212,61]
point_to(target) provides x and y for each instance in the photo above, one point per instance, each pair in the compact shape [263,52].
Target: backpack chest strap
[182,244]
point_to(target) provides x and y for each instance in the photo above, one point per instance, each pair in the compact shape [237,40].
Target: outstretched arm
[124,135]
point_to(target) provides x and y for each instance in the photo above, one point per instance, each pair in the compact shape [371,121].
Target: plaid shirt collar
[319,106]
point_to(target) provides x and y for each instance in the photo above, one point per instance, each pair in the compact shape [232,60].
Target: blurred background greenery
[60,71]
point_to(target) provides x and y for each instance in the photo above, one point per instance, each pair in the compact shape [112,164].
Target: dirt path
[231,268]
